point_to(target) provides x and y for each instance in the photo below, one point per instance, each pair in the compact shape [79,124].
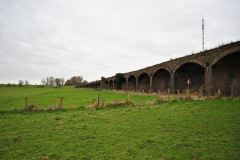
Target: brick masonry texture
[208,71]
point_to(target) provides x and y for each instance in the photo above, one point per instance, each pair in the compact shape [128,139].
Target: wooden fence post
[98,99]
[26,102]
[232,90]
[128,98]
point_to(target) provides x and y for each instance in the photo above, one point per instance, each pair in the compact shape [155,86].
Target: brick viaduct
[208,71]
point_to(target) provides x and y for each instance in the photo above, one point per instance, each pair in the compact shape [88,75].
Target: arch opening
[161,80]
[192,71]
[110,85]
[106,85]
[123,84]
[144,82]
[226,72]
[131,83]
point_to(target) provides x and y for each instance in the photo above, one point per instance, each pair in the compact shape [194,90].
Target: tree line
[52,81]
[75,80]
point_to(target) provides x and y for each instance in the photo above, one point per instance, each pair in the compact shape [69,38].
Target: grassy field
[177,130]
[13,97]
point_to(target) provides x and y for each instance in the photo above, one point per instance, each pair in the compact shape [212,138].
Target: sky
[95,38]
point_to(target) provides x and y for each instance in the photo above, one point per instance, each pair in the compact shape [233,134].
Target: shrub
[8,84]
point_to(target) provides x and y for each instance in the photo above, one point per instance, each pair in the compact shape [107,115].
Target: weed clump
[115,103]
[61,101]
[29,107]
[73,107]
[55,107]
[119,103]
[33,107]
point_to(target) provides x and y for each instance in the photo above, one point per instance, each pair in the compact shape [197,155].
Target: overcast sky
[94,38]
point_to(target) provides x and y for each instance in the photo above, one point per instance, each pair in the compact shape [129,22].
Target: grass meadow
[197,130]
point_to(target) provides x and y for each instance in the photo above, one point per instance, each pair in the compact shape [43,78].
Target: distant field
[178,130]
[13,97]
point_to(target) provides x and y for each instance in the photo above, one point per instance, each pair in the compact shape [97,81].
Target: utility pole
[203,32]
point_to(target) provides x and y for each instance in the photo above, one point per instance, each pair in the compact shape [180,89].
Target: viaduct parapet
[210,70]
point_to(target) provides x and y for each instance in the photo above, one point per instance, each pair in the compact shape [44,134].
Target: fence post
[26,102]
[187,93]
[232,90]
[168,95]
[219,93]
[200,93]
[128,98]
[98,99]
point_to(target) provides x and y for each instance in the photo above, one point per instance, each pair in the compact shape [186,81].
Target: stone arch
[98,84]
[110,84]
[106,84]
[189,61]
[131,82]
[124,83]
[225,72]
[161,80]
[144,81]
[131,75]
[223,54]
[143,72]
[161,67]
[193,71]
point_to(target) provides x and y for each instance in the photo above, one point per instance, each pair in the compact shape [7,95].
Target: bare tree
[20,83]
[47,81]
[52,81]
[58,81]
[73,80]
[43,81]
[76,80]
[26,82]
[62,81]
[79,80]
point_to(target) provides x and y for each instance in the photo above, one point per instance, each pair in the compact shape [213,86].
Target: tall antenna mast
[202,32]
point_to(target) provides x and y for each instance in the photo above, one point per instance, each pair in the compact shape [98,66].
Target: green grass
[13,97]
[178,130]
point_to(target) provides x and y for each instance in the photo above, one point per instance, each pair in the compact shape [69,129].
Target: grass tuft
[55,107]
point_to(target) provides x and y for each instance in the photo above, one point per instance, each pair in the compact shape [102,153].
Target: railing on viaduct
[210,70]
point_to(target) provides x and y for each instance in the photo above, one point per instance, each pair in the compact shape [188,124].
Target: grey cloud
[100,38]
